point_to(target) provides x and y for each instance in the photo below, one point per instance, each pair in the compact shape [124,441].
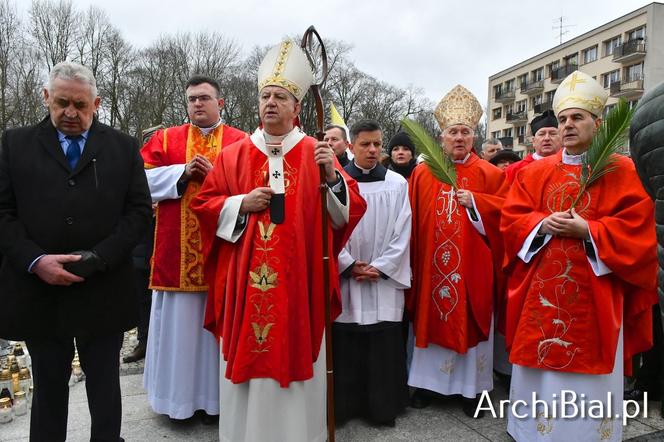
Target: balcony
[517,117]
[505,96]
[532,88]
[543,107]
[627,89]
[558,75]
[631,51]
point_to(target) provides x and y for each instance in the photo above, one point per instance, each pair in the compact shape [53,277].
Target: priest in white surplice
[369,355]
[182,358]
[261,221]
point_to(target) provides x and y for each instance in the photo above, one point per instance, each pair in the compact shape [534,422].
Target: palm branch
[610,137]
[438,163]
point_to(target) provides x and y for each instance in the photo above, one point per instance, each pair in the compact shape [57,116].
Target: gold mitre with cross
[286,65]
[459,106]
[580,91]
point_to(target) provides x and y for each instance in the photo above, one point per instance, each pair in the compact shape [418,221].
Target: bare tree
[142,88]
[54,29]
[26,88]
[119,60]
[9,23]
[94,32]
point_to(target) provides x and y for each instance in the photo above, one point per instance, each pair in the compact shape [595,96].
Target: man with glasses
[182,362]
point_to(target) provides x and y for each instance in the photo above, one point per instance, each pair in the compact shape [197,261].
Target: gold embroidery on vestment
[263,278]
[191,246]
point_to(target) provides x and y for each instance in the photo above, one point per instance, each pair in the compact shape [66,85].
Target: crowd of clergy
[515,271]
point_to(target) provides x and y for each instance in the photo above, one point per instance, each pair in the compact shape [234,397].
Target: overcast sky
[432,44]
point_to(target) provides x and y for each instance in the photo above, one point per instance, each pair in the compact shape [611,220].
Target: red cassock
[266,289]
[452,294]
[512,169]
[560,315]
[177,259]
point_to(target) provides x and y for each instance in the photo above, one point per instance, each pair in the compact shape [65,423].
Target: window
[495,134]
[611,45]
[634,72]
[520,131]
[553,66]
[590,55]
[509,85]
[538,74]
[549,96]
[509,109]
[507,132]
[523,80]
[610,77]
[497,89]
[536,100]
[572,59]
[497,113]
[521,106]
[637,34]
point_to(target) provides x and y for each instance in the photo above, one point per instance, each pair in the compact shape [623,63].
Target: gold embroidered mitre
[286,66]
[459,106]
[580,91]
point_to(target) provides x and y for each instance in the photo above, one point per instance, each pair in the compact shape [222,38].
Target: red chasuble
[177,260]
[512,169]
[266,289]
[560,316]
[452,294]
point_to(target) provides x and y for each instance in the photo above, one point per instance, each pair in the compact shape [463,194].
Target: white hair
[68,70]
[491,141]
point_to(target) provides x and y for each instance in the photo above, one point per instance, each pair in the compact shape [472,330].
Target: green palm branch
[438,163]
[609,139]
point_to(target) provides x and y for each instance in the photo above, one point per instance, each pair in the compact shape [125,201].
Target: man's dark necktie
[73,150]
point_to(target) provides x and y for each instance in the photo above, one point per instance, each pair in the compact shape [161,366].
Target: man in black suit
[74,201]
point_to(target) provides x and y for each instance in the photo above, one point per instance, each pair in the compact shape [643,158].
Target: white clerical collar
[274,147]
[462,161]
[365,171]
[537,157]
[259,138]
[573,160]
[206,130]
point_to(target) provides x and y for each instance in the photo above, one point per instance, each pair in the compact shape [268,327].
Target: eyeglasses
[203,98]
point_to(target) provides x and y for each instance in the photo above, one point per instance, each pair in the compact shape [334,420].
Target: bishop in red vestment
[582,281]
[261,221]
[455,233]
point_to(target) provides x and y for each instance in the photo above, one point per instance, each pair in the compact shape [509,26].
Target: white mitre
[286,66]
[580,91]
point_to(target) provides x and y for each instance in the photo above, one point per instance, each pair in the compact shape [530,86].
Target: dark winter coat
[45,208]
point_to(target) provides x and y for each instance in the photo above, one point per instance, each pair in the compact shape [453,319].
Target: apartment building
[625,55]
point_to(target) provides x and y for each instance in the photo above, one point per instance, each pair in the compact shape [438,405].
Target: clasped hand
[567,223]
[362,271]
[197,168]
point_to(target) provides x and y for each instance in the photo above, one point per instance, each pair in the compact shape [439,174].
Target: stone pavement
[442,421]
